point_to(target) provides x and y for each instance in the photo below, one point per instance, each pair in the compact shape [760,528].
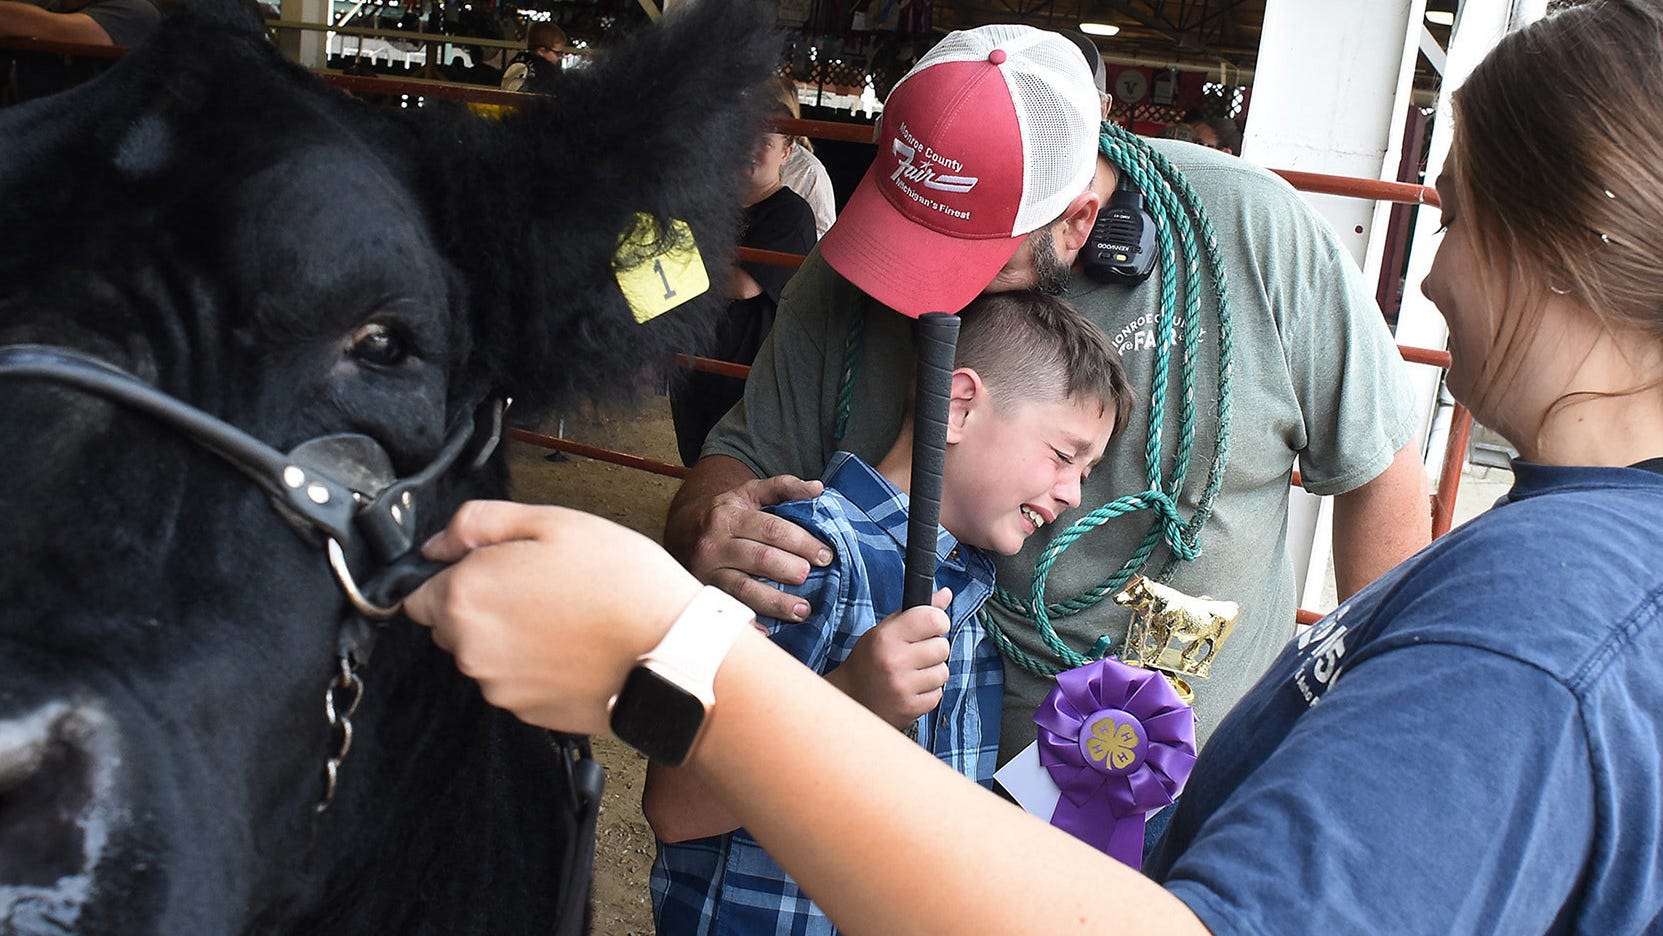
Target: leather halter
[338,487]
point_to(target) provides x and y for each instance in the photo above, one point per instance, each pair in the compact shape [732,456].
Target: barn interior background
[1165,58]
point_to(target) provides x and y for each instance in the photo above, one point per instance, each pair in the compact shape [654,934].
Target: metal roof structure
[840,42]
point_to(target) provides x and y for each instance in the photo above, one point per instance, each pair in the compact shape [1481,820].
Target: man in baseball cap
[982,181]
[990,137]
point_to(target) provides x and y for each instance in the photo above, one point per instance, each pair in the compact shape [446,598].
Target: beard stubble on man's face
[1051,274]
[1036,266]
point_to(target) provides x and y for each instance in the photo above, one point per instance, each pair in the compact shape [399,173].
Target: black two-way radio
[1122,244]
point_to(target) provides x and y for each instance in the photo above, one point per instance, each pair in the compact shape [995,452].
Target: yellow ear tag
[658,274]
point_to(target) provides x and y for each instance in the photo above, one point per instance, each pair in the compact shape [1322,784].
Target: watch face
[657,717]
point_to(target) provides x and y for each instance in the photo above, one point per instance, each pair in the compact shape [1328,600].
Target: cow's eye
[378,344]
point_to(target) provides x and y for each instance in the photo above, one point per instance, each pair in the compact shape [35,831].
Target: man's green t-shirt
[1318,381]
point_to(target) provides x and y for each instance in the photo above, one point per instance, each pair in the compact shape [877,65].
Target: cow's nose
[49,779]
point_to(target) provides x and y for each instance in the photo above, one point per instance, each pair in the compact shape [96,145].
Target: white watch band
[698,640]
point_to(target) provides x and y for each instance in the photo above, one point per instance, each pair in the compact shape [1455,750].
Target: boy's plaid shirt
[727,883]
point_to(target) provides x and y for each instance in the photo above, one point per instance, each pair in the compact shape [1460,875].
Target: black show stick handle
[937,338]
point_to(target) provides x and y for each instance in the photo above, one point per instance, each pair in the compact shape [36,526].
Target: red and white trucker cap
[987,138]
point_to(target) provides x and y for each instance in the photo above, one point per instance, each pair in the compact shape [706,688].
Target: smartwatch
[667,697]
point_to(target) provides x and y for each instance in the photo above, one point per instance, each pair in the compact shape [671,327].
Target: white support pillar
[1330,94]
[305,46]
[1333,82]
[1478,27]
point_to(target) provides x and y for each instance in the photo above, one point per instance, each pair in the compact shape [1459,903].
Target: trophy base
[1185,693]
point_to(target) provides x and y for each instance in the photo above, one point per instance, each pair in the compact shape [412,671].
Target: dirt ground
[636,499]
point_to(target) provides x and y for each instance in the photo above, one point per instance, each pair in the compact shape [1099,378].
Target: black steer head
[299,264]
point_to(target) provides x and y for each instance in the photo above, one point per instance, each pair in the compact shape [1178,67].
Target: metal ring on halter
[337,562]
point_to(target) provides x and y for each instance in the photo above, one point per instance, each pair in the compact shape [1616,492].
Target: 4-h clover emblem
[1114,740]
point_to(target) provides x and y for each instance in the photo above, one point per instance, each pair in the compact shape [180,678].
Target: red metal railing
[1405,193]
[594,451]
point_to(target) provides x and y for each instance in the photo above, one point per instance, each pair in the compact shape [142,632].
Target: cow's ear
[648,138]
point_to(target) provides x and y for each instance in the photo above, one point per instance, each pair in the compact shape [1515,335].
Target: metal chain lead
[339,717]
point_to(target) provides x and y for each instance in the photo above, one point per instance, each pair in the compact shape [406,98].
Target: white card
[1029,784]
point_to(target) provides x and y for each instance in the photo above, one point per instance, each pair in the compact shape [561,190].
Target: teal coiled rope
[1178,212]
[846,388]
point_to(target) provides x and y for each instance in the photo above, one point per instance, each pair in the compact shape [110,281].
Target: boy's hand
[897,669]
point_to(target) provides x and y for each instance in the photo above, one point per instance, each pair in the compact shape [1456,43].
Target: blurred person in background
[776,218]
[534,70]
[803,172]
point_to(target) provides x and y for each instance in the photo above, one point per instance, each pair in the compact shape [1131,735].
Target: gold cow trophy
[1175,633]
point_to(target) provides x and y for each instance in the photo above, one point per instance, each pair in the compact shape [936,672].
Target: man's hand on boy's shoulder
[720,532]
[898,668]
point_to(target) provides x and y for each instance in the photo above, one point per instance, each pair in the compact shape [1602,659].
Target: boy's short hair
[1032,347]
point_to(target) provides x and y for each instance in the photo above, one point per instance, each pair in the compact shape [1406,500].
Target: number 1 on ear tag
[658,274]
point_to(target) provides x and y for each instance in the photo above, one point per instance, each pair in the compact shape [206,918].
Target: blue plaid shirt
[727,884]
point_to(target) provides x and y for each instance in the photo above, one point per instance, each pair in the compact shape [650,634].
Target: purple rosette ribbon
[1118,743]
